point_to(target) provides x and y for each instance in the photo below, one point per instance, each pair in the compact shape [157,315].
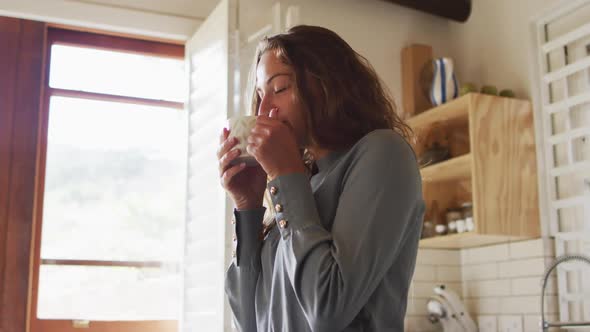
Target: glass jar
[440,229]
[467,210]
[461,228]
[453,217]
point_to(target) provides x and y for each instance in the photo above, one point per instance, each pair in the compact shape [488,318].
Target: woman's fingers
[264,129]
[225,154]
[255,140]
[226,159]
[226,145]
[252,149]
[256,136]
[228,175]
[223,135]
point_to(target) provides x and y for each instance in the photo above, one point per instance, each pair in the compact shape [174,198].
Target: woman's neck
[318,153]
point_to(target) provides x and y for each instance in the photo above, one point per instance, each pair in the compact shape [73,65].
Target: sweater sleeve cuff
[293,202]
[247,237]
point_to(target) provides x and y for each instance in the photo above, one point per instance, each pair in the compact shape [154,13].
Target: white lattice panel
[563,47]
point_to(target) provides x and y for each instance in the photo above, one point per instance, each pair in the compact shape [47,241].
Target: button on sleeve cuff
[294,202]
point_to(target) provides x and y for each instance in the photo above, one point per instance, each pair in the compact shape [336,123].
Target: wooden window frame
[112,43]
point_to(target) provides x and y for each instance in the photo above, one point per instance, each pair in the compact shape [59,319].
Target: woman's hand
[274,145]
[244,184]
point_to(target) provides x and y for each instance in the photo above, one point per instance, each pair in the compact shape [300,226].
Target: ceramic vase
[444,85]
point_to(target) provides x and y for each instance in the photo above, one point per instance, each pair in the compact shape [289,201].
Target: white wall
[493,46]
[379,30]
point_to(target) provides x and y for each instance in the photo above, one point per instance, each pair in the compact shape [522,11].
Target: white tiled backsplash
[500,285]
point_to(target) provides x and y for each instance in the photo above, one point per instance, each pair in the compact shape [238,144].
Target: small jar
[467,210]
[440,229]
[461,228]
[452,217]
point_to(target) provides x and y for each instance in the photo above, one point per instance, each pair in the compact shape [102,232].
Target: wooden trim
[80,262]
[115,34]
[112,43]
[51,325]
[33,322]
[447,113]
[9,38]
[114,98]
[18,216]
[504,167]
[124,44]
[467,240]
[450,169]
[40,130]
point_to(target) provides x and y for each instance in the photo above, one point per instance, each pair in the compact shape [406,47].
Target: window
[113,203]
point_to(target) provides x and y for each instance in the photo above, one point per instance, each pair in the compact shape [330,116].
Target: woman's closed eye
[279,90]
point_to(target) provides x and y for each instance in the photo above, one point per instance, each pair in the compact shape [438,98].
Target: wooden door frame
[21,61]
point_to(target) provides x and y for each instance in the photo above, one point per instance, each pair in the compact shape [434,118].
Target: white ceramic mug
[240,126]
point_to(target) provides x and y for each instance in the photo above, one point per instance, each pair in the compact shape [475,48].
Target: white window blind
[210,57]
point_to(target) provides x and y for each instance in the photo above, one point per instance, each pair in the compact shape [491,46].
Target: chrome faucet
[545,324]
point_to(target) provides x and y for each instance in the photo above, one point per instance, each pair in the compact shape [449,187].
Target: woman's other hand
[274,145]
[244,184]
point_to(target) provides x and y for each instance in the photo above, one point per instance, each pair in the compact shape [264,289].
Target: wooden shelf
[493,138]
[467,240]
[453,111]
[455,168]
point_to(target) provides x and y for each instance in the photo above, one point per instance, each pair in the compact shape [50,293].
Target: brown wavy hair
[342,95]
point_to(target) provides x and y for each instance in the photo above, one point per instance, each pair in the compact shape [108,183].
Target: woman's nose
[265,106]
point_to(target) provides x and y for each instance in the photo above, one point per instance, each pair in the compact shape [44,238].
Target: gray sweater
[343,251]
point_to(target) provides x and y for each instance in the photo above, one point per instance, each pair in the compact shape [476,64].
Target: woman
[339,250]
